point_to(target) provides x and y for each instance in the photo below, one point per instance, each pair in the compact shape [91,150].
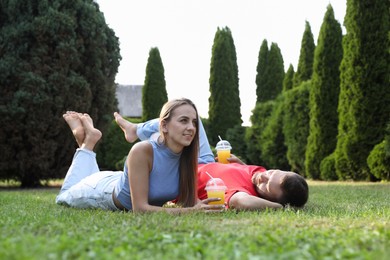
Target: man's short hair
[295,190]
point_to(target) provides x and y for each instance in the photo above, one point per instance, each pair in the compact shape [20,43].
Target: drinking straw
[209,175]
[211,178]
[219,137]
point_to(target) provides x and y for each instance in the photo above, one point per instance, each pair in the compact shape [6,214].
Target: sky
[184,30]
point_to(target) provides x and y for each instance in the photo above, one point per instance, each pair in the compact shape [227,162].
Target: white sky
[184,30]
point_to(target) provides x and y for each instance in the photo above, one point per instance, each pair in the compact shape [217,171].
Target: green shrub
[235,136]
[273,149]
[296,125]
[379,162]
[253,136]
[328,168]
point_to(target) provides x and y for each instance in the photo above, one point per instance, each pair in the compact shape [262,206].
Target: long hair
[189,157]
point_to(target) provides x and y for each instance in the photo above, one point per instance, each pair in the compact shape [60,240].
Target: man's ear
[163,124]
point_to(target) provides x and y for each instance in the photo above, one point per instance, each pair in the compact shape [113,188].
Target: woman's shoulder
[142,148]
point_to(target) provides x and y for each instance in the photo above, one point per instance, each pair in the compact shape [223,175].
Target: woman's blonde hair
[189,156]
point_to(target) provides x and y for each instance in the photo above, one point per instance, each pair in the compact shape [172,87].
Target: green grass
[340,221]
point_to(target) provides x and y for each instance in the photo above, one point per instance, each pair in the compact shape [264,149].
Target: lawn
[342,220]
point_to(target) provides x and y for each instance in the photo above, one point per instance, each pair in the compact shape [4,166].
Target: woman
[156,171]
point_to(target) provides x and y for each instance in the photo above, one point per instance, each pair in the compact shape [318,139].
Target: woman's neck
[174,147]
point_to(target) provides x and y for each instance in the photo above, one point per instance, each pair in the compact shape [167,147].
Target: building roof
[129,100]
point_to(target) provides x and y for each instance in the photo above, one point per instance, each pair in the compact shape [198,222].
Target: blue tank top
[163,179]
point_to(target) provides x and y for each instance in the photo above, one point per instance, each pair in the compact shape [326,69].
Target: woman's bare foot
[74,122]
[128,128]
[92,135]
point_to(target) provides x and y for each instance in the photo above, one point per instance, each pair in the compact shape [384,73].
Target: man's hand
[235,159]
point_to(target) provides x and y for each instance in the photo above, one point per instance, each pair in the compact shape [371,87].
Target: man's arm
[244,201]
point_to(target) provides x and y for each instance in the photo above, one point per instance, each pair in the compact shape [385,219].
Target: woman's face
[181,128]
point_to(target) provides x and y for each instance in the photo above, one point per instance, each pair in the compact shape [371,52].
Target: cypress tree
[306,57]
[275,72]
[324,94]
[154,93]
[261,76]
[269,81]
[364,90]
[55,56]
[270,72]
[224,100]
[288,78]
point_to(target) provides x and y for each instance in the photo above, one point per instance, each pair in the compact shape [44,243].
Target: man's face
[268,184]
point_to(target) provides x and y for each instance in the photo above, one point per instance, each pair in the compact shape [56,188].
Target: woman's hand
[203,205]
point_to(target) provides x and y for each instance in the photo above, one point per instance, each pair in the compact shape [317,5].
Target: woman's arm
[244,201]
[139,163]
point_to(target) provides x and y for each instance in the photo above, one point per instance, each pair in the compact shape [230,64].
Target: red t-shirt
[237,177]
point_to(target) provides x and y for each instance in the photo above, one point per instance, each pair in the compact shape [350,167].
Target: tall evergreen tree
[269,82]
[296,107]
[55,56]
[288,78]
[324,94]
[275,72]
[261,76]
[154,93]
[306,57]
[364,90]
[270,72]
[224,100]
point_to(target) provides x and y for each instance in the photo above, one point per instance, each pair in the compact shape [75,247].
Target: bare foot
[128,128]
[92,135]
[73,120]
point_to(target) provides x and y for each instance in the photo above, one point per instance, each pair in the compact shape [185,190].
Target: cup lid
[223,145]
[215,184]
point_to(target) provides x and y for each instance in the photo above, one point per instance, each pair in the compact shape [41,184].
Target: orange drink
[216,194]
[215,188]
[223,148]
[223,155]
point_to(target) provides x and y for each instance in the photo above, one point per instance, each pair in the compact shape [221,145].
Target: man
[249,187]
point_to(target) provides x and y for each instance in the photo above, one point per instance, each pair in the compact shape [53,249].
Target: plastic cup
[216,189]
[223,151]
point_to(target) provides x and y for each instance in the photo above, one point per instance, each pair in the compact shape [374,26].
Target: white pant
[85,186]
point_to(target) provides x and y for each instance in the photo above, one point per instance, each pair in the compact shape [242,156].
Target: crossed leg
[84,161]
[128,128]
